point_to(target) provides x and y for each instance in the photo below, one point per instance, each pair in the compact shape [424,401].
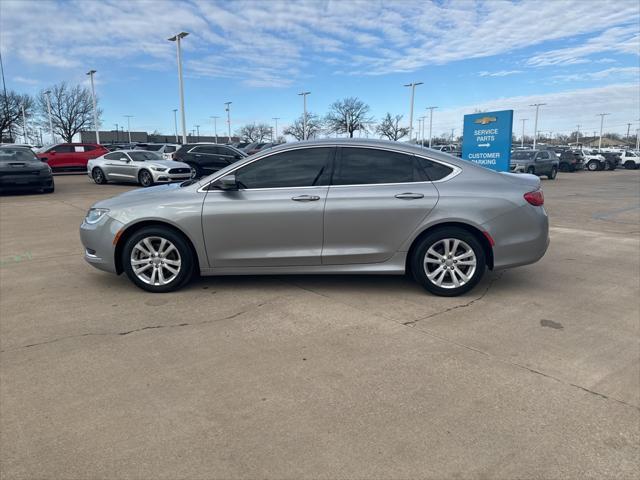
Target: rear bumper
[97,240]
[521,236]
[25,182]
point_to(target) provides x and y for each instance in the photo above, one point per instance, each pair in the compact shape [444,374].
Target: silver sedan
[325,207]
[137,166]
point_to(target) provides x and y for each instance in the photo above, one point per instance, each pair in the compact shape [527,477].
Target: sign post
[487,139]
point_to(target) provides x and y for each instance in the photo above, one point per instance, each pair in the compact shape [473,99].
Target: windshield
[8,155]
[144,156]
[523,155]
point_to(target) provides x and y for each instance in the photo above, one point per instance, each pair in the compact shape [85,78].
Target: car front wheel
[448,262]
[98,176]
[158,260]
[145,178]
[553,173]
[593,165]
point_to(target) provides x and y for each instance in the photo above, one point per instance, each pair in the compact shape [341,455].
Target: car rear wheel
[98,176]
[630,165]
[564,167]
[50,189]
[145,178]
[196,171]
[593,165]
[531,170]
[158,260]
[553,174]
[448,262]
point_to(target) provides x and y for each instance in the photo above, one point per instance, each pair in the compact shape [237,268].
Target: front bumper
[164,177]
[97,240]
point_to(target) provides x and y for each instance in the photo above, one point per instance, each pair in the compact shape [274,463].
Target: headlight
[159,169]
[95,214]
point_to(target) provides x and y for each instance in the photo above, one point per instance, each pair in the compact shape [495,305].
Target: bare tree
[296,129]
[254,132]
[71,110]
[348,115]
[391,129]
[11,113]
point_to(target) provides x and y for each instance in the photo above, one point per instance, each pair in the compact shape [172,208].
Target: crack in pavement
[128,332]
[498,276]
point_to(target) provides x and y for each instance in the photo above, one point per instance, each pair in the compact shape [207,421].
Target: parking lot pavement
[536,373]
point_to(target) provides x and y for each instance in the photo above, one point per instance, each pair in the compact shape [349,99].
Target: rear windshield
[523,155]
[151,148]
[8,155]
[144,156]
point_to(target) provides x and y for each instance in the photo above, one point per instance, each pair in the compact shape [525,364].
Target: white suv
[629,160]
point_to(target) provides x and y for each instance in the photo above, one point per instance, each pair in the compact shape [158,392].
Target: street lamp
[177,38]
[577,134]
[129,117]
[175,123]
[95,108]
[215,127]
[47,93]
[117,133]
[522,137]
[431,109]
[601,115]
[304,115]
[227,108]
[197,134]
[535,125]
[413,92]
[276,119]
[24,125]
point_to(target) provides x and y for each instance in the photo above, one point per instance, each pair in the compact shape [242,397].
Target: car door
[275,218]
[121,167]
[376,200]
[543,163]
[60,156]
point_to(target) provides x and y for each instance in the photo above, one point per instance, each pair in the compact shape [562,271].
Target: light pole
[24,125]
[628,129]
[431,109]
[601,115]
[198,133]
[227,108]
[95,108]
[419,130]
[215,127]
[48,95]
[129,117]
[276,120]
[413,92]
[451,139]
[535,125]
[424,120]
[304,114]
[175,123]
[117,133]
[177,38]
[522,137]
[577,134]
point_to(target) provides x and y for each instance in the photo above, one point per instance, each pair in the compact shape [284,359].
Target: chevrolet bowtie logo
[485,120]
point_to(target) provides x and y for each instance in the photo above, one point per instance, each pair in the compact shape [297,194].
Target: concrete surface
[535,374]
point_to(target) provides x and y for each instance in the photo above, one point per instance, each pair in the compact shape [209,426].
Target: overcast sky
[581,57]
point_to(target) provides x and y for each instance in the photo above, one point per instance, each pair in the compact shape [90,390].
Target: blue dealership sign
[487,139]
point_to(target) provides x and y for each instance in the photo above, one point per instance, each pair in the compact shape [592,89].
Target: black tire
[186,257]
[531,170]
[98,176]
[145,178]
[564,167]
[198,171]
[50,189]
[553,174]
[593,165]
[419,267]
[609,165]
[630,165]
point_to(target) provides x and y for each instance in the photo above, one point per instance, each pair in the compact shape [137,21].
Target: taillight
[535,198]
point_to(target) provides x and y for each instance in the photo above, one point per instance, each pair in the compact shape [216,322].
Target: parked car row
[21,169]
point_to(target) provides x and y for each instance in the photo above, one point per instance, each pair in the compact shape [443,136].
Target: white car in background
[593,161]
[165,149]
[137,166]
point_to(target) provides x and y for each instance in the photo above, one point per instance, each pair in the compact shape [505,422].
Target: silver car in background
[137,166]
[325,207]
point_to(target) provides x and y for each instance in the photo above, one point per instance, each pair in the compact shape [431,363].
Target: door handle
[409,196]
[305,198]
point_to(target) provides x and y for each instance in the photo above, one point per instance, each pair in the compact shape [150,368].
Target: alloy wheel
[155,261]
[450,263]
[145,178]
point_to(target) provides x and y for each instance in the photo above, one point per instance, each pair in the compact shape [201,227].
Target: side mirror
[228,182]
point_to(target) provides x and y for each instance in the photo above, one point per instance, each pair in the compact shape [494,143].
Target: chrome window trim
[455,169]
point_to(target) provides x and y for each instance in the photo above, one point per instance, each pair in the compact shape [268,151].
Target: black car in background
[570,161]
[20,169]
[611,160]
[207,158]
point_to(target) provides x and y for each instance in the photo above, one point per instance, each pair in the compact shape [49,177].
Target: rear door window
[63,149]
[361,166]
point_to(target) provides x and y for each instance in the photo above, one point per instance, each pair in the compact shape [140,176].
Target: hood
[167,164]
[153,195]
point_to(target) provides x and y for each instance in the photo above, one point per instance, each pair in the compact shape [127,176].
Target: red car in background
[71,156]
